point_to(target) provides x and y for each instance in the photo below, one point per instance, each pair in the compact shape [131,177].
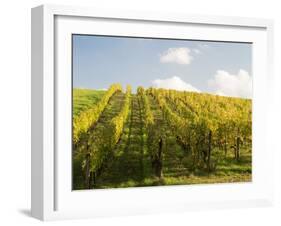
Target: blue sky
[214,67]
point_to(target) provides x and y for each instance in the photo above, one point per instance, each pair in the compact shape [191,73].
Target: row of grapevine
[180,126]
[204,122]
[86,119]
[152,132]
[148,116]
[200,126]
[233,119]
[100,145]
[117,123]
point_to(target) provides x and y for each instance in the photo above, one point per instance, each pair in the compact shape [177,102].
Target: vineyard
[159,137]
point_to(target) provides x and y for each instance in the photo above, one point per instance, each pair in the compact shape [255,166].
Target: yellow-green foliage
[192,116]
[174,120]
[182,120]
[83,122]
[148,116]
[117,122]
[101,144]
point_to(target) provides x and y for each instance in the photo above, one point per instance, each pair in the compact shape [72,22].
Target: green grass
[84,99]
[129,164]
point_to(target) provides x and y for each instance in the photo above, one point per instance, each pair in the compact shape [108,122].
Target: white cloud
[175,83]
[180,55]
[236,85]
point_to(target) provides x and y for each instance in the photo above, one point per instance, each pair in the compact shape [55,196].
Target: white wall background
[15,111]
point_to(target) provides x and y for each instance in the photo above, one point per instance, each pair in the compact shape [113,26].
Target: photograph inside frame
[157,112]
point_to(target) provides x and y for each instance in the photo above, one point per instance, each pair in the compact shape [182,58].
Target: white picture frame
[52,198]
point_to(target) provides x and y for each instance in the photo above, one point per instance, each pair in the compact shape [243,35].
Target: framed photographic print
[136,113]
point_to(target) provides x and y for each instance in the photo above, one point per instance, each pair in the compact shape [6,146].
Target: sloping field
[85,98]
[189,139]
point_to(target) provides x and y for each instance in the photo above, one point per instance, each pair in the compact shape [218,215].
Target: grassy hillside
[85,98]
[130,163]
